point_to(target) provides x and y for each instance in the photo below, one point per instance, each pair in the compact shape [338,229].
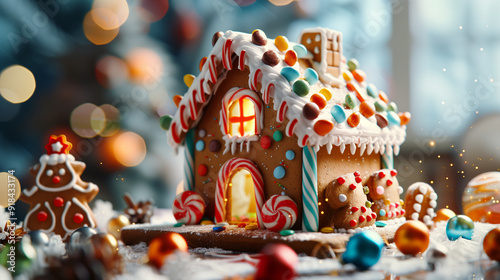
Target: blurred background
[104,71]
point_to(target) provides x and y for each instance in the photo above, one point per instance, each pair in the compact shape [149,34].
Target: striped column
[189,161]
[310,212]
[387,158]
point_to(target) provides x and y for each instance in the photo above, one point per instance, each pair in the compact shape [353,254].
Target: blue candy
[459,226]
[290,155]
[290,74]
[200,145]
[218,229]
[381,213]
[393,118]
[279,172]
[311,76]
[372,90]
[338,113]
[300,50]
[364,249]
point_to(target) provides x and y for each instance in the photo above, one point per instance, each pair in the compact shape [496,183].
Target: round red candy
[265,142]
[42,216]
[202,170]
[277,262]
[78,218]
[58,201]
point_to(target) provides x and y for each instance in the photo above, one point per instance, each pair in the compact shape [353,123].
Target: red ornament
[265,142]
[202,170]
[58,201]
[353,223]
[278,261]
[352,186]
[340,180]
[381,174]
[394,172]
[163,246]
[42,216]
[78,218]
[389,182]
[358,179]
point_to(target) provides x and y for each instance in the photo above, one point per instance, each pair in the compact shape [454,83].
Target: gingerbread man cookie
[59,199]
[420,202]
[384,194]
[351,209]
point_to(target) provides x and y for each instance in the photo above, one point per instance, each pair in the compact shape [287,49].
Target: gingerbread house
[271,117]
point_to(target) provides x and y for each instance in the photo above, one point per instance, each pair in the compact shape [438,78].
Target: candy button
[265,142]
[327,230]
[311,76]
[188,79]
[310,111]
[392,107]
[290,74]
[291,57]
[177,99]
[347,76]
[200,145]
[202,170]
[178,224]
[372,90]
[58,201]
[287,232]
[379,190]
[380,224]
[393,118]
[301,88]
[279,172]
[216,37]
[353,64]
[202,133]
[78,218]
[383,96]
[353,119]
[366,190]
[323,127]
[242,225]
[338,113]
[342,197]
[165,122]
[259,37]
[349,101]
[366,109]
[214,146]
[404,117]
[222,224]
[202,62]
[382,212]
[319,99]
[290,155]
[281,43]
[270,58]
[277,135]
[380,106]
[381,120]
[42,216]
[251,227]
[359,75]
[326,93]
[218,229]
[206,222]
[300,50]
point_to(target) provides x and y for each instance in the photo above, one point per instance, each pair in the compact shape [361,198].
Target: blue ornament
[459,226]
[38,238]
[364,249]
[300,50]
[338,113]
[79,238]
[393,118]
[200,145]
[311,76]
[290,155]
[290,74]
[279,172]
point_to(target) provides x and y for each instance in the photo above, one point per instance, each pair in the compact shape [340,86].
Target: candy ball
[479,198]
[412,238]
[459,226]
[278,261]
[38,238]
[116,224]
[163,246]
[363,249]
[491,244]
[80,237]
[443,215]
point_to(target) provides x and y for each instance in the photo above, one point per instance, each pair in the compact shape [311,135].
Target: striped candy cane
[189,161]
[310,212]
[387,159]
[224,175]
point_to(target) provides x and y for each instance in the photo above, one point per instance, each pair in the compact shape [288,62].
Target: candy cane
[223,180]
[267,93]
[184,123]
[192,106]
[310,216]
[226,54]
[290,127]
[282,111]
[188,208]
[387,159]
[189,161]
[201,94]
[254,79]
[279,212]
[241,63]
[173,132]
[212,67]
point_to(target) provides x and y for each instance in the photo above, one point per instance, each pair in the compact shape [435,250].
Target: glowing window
[242,118]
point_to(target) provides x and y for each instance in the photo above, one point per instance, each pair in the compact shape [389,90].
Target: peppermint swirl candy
[188,208]
[279,212]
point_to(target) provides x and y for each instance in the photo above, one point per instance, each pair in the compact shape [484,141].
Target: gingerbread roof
[322,109]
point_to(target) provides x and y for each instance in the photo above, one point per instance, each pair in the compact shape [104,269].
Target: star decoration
[58,145]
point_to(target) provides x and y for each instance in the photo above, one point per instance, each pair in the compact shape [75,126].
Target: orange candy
[404,117]
[491,244]
[412,238]
[177,100]
[281,43]
[202,62]
[359,75]
[353,119]
[353,88]
[163,246]
[291,57]
[366,109]
[319,99]
[383,96]
[188,79]
[322,127]
[443,215]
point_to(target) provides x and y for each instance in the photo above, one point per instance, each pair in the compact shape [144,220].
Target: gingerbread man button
[384,193]
[59,199]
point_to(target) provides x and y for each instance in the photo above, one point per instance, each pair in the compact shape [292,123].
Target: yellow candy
[188,79]
[206,222]
[387,201]
[281,43]
[327,93]
[347,76]
[327,230]
[251,227]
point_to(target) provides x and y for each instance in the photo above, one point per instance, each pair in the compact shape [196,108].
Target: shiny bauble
[278,261]
[79,237]
[163,246]
[116,224]
[38,238]
[412,238]
[20,255]
[491,244]
[102,246]
[459,226]
[443,215]
[481,197]
[364,249]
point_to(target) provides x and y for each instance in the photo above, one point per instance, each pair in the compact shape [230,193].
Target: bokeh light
[87,120]
[95,33]
[110,14]
[145,66]
[17,84]
[153,10]
[9,188]
[280,2]
[129,149]
[112,120]
[189,26]
[111,71]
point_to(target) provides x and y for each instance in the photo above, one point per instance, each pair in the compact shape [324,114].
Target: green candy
[277,135]
[165,122]
[368,204]
[287,232]
[366,190]
[353,64]
[179,225]
[301,88]
[392,107]
[380,106]
[349,100]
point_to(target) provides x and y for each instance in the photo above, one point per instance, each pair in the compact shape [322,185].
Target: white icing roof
[367,136]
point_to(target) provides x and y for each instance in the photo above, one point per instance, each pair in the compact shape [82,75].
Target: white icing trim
[44,163]
[26,219]
[31,191]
